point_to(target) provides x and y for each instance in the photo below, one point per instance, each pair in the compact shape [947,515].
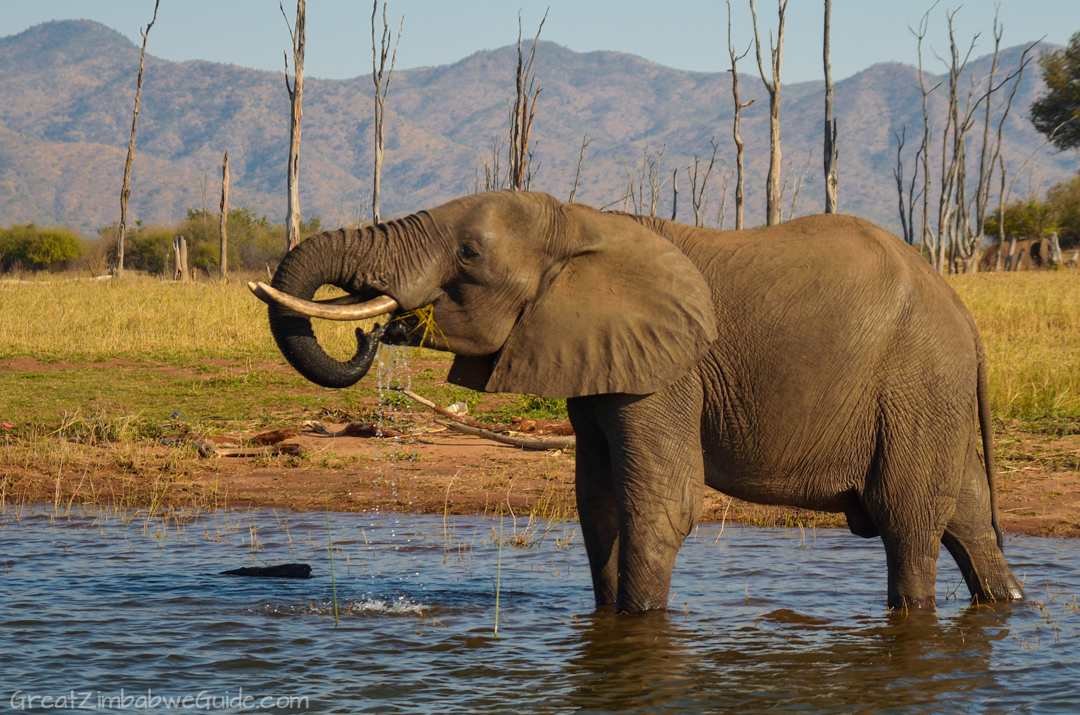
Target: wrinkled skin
[819,364]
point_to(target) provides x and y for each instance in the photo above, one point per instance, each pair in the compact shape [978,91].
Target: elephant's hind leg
[971,540]
[910,496]
[596,502]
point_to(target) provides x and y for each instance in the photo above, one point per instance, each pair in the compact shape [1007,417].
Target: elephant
[1030,253]
[820,363]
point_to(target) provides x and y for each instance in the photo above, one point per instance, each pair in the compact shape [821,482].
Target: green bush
[148,249]
[36,248]
[1031,218]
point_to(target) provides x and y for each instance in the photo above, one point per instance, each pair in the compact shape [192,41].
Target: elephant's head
[531,295]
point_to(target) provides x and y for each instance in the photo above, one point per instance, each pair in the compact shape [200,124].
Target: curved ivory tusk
[332,309]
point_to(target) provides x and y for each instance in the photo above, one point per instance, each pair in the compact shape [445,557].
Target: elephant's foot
[983,565]
[911,603]
[912,561]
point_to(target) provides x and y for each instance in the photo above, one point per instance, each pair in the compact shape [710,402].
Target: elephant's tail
[986,426]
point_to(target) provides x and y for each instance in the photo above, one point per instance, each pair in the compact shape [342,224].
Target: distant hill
[66,90]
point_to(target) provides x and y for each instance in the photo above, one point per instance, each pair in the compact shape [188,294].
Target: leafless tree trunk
[298,34]
[698,198]
[655,183]
[928,241]
[180,259]
[522,113]
[585,142]
[378,67]
[1055,249]
[995,156]
[1001,219]
[798,185]
[907,213]
[721,213]
[832,171]
[650,171]
[986,163]
[125,188]
[773,208]
[739,106]
[951,202]
[223,242]
[675,194]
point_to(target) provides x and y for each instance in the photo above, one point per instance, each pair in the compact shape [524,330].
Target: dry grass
[143,318]
[1030,324]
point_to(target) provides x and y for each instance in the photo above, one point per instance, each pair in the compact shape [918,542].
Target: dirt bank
[434,470]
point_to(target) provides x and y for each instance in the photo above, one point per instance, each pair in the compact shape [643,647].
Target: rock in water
[279,571]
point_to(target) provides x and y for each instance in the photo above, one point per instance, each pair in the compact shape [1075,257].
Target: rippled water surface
[760,620]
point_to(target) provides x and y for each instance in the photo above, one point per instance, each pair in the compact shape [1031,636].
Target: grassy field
[92,374]
[1030,323]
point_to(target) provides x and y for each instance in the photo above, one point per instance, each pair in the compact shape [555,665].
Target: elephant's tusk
[343,308]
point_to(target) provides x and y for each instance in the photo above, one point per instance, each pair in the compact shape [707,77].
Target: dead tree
[585,142]
[180,272]
[986,162]
[907,213]
[739,106]
[927,239]
[832,171]
[773,208]
[951,192]
[983,191]
[721,212]
[648,171]
[223,242]
[378,68]
[496,177]
[298,34]
[955,222]
[675,193]
[795,187]
[522,113]
[698,198]
[125,188]
[1001,220]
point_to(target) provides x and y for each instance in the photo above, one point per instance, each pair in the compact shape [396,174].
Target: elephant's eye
[467,252]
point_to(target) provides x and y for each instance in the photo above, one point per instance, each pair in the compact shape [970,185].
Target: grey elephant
[821,364]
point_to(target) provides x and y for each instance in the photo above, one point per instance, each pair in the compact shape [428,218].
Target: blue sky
[686,34]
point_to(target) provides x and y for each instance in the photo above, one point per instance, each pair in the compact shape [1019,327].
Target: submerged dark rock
[278,571]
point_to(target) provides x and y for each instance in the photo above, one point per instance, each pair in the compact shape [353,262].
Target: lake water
[110,610]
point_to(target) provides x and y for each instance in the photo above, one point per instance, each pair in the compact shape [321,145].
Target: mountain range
[67,87]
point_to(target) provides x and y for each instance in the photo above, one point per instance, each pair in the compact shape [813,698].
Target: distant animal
[1030,253]
[820,363]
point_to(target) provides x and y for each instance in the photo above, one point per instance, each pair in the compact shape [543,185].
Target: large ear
[628,313]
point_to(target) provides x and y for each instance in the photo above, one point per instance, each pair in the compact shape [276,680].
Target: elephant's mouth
[346,307]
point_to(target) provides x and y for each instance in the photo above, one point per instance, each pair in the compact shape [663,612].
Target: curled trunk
[359,262]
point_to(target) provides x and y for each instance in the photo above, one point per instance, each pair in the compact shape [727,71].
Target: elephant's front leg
[658,476]
[596,501]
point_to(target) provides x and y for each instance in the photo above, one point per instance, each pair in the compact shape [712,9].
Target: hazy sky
[686,34]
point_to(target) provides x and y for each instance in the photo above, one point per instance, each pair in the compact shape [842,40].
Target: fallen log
[523,443]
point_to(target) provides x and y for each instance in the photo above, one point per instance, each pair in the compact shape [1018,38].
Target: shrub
[1031,218]
[39,248]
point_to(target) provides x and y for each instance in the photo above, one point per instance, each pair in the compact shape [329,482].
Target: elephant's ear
[628,313]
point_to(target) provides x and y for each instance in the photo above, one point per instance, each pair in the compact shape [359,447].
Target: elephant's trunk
[359,262]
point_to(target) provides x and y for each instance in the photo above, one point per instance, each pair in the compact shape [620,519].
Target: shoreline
[441,472]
